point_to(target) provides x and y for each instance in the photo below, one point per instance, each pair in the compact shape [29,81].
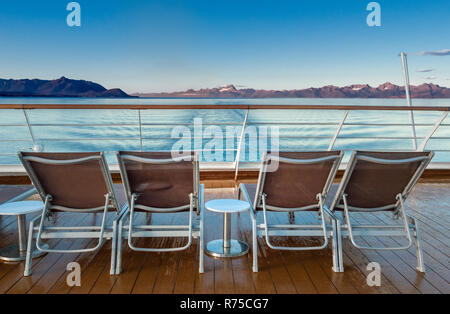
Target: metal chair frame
[329,225]
[154,231]
[409,227]
[73,232]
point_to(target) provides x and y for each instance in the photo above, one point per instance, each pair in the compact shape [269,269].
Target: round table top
[227,206]
[21,208]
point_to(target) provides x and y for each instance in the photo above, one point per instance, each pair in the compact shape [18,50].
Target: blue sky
[168,45]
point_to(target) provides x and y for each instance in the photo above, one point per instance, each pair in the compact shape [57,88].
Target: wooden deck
[280,272]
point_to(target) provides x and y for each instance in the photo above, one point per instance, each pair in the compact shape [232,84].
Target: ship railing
[431,129]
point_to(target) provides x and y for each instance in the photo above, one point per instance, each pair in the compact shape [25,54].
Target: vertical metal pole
[226,231]
[408,97]
[338,130]
[140,129]
[29,126]
[21,229]
[241,140]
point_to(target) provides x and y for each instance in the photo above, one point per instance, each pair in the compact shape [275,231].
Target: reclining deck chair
[381,182]
[75,183]
[300,183]
[155,182]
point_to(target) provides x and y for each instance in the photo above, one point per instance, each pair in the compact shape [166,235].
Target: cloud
[439,53]
[425,70]
[430,77]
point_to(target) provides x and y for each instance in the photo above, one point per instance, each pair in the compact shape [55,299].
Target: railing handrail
[345,109]
[228,106]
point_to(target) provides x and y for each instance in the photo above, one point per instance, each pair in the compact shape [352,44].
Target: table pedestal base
[12,253]
[237,248]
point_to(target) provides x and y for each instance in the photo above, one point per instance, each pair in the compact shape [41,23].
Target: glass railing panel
[294,116]
[426,117]
[376,131]
[378,117]
[12,116]
[8,133]
[208,116]
[118,129]
[297,130]
[80,132]
[83,116]
[8,152]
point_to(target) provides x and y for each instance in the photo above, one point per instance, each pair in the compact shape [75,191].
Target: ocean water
[112,130]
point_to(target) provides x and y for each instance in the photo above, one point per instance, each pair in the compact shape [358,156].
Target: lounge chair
[300,183]
[381,182]
[71,183]
[155,182]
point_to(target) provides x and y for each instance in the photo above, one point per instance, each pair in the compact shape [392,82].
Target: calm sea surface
[112,130]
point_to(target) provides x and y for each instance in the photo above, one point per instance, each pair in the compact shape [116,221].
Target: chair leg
[340,246]
[119,249]
[112,270]
[29,257]
[334,247]
[418,242]
[338,265]
[255,245]
[201,267]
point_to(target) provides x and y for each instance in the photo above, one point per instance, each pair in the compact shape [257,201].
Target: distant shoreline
[364,91]
[69,88]
[220,98]
[212,98]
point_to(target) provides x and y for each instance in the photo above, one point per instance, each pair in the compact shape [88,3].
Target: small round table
[17,252]
[226,247]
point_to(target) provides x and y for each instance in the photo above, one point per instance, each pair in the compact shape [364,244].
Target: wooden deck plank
[105,282]
[165,282]
[148,273]
[242,271]
[135,260]
[262,280]
[223,272]
[279,271]
[408,257]
[387,268]
[46,265]
[342,283]
[294,262]
[39,266]
[58,270]
[280,276]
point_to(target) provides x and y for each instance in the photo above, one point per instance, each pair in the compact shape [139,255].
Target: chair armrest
[247,198]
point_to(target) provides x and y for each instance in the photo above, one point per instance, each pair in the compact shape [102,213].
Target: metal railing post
[36,148]
[408,97]
[241,140]
[140,129]
[338,130]
[433,130]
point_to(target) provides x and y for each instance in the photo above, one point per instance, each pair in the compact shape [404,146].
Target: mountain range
[386,90]
[62,87]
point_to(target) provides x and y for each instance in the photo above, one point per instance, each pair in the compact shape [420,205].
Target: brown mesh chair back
[158,181]
[75,181]
[374,179]
[300,176]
